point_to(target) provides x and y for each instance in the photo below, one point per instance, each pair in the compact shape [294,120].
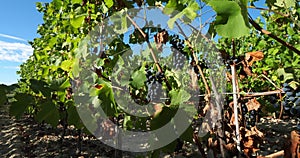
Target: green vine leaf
[48,113]
[163,117]
[286,76]
[77,21]
[120,21]
[190,12]
[40,86]
[60,84]
[138,79]
[179,96]
[76,1]
[229,21]
[109,3]
[18,107]
[285,3]
[171,6]
[67,65]
[39,6]
[73,116]
[104,92]
[75,68]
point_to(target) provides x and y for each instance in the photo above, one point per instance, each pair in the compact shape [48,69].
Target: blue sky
[20,20]
[19,23]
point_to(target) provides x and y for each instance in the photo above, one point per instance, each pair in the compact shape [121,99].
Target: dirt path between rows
[10,143]
[26,138]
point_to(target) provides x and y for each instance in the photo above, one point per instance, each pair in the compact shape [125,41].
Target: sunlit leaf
[109,3]
[229,18]
[77,1]
[67,65]
[77,21]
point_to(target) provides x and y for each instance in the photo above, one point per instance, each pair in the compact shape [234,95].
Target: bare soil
[26,138]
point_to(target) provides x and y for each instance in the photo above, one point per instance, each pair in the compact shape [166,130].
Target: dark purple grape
[293,111]
[291,99]
[272,99]
[276,105]
[285,103]
[287,88]
[286,85]
[252,123]
[159,77]
[298,111]
[244,109]
[297,94]
[297,102]
[286,108]
[290,93]
[253,112]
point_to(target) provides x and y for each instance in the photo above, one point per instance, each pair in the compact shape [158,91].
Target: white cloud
[15,52]
[12,37]
[10,67]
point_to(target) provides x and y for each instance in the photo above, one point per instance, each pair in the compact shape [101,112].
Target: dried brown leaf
[246,68]
[254,132]
[292,148]
[253,104]
[228,77]
[230,147]
[253,56]
[249,142]
[161,38]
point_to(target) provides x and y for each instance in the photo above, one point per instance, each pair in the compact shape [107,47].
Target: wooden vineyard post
[235,101]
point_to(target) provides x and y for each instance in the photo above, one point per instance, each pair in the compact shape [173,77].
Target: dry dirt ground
[26,138]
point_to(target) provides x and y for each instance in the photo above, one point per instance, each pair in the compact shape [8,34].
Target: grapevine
[67,59]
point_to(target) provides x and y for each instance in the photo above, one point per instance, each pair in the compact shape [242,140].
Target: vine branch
[259,28]
[276,12]
[196,59]
[149,45]
[151,50]
[258,8]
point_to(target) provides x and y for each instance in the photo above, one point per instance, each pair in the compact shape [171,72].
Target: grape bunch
[274,100]
[152,90]
[179,56]
[154,84]
[291,101]
[249,116]
[244,109]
